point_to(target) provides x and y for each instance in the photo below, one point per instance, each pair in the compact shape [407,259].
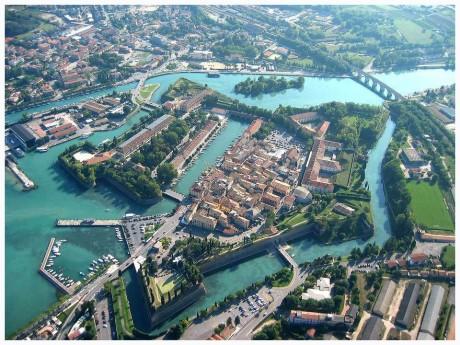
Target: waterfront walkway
[68,290]
[26,182]
[87,222]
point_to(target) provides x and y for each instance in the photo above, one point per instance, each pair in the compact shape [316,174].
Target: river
[30,216]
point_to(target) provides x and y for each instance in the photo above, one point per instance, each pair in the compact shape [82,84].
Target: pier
[174,195]
[87,222]
[26,182]
[68,290]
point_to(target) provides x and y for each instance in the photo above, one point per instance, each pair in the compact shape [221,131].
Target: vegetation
[123,319]
[233,46]
[166,173]
[448,257]
[281,278]
[255,87]
[428,207]
[85,174]
[147,91]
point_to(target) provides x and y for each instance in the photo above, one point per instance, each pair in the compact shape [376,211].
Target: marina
[64,284]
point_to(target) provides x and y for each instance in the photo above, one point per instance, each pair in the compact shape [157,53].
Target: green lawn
[123,319]
[342,178]
[282,278]
[412,32]
[295,219]
[428,206]
[448,257]
[147,91]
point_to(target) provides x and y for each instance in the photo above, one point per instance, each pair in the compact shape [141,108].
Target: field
[294,220]
[412,32]
[147,91]
[448,257]
[342,178]
[428,206]
[123,318]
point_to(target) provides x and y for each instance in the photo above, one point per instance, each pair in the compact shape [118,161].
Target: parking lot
[105,322]
[135,229]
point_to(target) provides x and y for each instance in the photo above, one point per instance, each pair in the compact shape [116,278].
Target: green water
[30,216]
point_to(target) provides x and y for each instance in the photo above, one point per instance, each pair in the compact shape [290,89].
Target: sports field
[428,206]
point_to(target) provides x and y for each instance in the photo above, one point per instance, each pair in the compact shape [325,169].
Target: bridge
[376,86]
[174,195]
[285,255]
[150,106]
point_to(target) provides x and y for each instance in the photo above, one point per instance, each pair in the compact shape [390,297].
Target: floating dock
[68,290]
[87,222]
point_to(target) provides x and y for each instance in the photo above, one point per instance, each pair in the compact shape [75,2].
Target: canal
[30,216]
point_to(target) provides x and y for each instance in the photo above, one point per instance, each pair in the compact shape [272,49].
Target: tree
[237,320]
[166,173]
[229,321]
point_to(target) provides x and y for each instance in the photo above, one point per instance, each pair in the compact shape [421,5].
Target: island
[261,85]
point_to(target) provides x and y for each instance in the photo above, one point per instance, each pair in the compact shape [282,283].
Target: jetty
[53,280]
[87,222]
[174,195]
[26,182]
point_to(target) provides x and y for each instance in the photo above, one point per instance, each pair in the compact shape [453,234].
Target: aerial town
[226,172]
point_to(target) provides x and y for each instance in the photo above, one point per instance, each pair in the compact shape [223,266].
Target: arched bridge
[376,86]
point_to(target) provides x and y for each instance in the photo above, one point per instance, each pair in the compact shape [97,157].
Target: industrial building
[433,308]
[373,330]
[25,135]
[385,297]
[408,306]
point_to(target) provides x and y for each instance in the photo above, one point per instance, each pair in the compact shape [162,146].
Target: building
[411,158]
[408,306]
[302,195]
[343,209]
[385,297]
[201,221]
[308,318]
[201,55]
[318,163]
[433,308]
[136,141]
[25,135]
[424,336]
[195,101]
[321,131]
[305,117]
[321,291]
[280,187]
[95,107]
[373,329]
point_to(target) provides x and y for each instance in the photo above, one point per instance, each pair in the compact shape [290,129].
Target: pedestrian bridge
[149,106]
[285,255]
[376,86]
[174,195]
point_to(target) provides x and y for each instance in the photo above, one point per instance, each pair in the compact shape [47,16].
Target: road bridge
[174,195]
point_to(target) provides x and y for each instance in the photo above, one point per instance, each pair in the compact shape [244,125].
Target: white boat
[42,149]
[82,274]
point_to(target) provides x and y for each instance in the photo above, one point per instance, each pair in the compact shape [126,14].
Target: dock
[174,195]
[87,222]
[53,280]
[26,182]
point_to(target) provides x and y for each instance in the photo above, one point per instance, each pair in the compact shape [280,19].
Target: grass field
[123,318]
[147,91]
[428,206]
[342,178]
[412,32]
[448,257]
[294,220]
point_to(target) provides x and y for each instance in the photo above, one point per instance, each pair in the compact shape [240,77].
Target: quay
[174,195]
[68,290]
[87,222]
[26,182]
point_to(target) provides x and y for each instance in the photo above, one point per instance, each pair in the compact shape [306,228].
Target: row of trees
[255,87]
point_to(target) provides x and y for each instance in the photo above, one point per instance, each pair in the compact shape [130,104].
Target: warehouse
[430,318]
[385,297]
[408,305]
[373,330]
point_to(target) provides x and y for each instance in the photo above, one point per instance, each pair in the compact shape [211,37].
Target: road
[205,329]
[89,292]
[105,325]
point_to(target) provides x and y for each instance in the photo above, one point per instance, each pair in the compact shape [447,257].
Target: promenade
[87,222]
[22,177]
